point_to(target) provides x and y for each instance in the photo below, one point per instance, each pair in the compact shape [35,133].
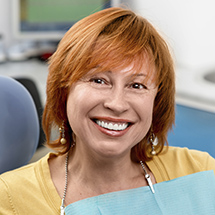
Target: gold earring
[153,141]
[62,132]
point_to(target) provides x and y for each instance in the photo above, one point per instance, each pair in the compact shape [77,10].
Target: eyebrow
[135,74]
[132,75]
[139,75]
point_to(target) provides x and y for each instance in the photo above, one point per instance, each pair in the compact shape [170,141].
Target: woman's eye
[138,86]
[97,80]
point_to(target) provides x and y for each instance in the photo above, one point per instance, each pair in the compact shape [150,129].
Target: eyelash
[134,85]
[138,86]
[98,80]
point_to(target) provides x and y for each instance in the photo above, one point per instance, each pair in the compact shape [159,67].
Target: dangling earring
[62,132]
[153,141]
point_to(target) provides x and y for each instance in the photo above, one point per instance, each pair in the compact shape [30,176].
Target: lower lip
[112,133]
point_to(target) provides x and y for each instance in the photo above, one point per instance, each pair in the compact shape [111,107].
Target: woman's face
[111,111]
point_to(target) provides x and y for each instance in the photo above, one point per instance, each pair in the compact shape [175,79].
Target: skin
[100,162]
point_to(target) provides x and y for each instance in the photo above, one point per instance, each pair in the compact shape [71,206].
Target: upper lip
[110,119]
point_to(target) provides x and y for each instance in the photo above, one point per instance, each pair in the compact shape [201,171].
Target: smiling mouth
[112,125]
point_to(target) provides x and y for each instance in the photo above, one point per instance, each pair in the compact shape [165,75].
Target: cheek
[74,106]
[79,103]
[144,109]
[145,105]
[71,111]
[77,98]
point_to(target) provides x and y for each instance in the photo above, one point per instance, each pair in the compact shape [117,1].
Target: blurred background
[30,31]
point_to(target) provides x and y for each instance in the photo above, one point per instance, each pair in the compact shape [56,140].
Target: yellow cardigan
[30,190]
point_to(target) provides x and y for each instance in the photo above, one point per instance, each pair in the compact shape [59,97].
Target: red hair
[115,34]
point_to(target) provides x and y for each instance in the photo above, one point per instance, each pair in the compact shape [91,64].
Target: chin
[112,152]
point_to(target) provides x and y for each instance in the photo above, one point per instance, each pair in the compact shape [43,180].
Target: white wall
[189,26]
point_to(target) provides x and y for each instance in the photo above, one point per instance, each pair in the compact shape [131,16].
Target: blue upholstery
[19,125]
[194,129]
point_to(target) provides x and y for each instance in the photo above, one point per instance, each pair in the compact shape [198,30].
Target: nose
[116,101]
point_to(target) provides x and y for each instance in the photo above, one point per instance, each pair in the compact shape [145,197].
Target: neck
[104,174]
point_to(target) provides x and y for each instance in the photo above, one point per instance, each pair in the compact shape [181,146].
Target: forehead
[105,56]
[131,66]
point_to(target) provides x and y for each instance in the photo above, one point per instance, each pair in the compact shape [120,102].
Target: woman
[111,92]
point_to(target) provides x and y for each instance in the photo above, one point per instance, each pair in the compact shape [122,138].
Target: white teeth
[112,126]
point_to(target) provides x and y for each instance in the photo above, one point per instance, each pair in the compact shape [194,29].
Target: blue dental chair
[19,125]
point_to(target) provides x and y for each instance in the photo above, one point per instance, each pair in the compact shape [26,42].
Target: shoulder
[199,160]
[20,177]
[18,183]
[12,184]
[23,173]
[176,162]
[26,174]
